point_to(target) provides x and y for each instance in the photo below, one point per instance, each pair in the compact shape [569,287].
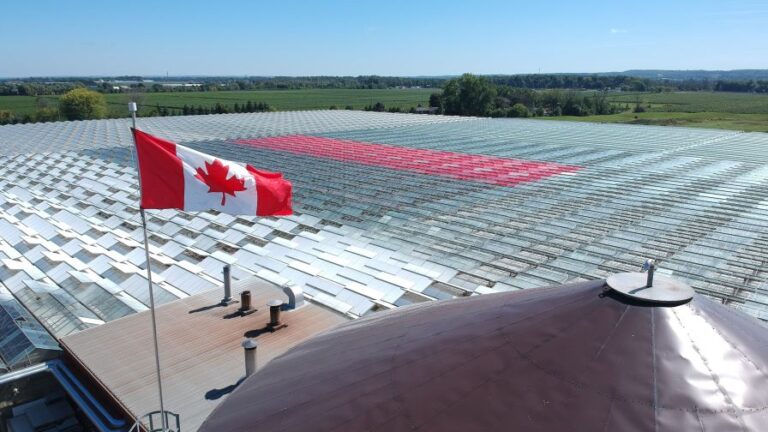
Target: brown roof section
[200,352]
[551,359]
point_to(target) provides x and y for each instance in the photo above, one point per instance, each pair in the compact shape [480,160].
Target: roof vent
[227,300]
[295,297]
[245,304]
[650,288]
[249,346]
[274,323]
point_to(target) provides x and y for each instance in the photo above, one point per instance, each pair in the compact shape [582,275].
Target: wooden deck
[200,354]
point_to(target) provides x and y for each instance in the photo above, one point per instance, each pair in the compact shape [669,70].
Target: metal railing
[153,421]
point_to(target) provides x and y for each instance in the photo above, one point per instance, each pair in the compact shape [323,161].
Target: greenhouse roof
[391,209]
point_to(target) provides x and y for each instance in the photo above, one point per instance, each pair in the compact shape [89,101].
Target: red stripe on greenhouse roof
[472,167]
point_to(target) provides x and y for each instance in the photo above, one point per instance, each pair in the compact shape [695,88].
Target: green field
[21,105]
[736,111]
[736,103]
[281,100]
[719,110]
[713,120]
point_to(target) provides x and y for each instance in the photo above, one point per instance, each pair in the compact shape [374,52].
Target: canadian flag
[174,176]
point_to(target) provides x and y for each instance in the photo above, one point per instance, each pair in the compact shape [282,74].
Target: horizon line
[439,76]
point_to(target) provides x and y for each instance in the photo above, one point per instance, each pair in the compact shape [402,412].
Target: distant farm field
[21,105]
[735,111]
[281,100]
[712,120]
[723,102]
[718,110]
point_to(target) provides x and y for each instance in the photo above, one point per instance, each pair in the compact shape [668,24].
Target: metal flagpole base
[227,302]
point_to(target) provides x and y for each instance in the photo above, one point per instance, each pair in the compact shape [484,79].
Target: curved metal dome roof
[548,359]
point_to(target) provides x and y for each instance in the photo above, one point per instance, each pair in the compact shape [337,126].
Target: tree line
[38,86]
[494,96]
[84,104]
[37,89]
[472,95]
[218,108]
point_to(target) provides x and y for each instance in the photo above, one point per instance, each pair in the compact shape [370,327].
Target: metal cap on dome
[651,288]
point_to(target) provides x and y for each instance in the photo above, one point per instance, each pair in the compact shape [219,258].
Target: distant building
[426,110]
[177,85]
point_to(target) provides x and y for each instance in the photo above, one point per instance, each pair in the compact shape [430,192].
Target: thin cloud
[617,30]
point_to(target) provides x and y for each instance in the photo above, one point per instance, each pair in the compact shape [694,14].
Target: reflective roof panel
[391,209]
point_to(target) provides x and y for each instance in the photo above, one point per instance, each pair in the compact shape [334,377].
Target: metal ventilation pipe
[274,324]
[274,312]
[295,296]
[245,301]
[227,285]
[249,346]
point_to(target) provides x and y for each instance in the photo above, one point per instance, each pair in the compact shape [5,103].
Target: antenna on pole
[649,266]
[650,288]
[132,108]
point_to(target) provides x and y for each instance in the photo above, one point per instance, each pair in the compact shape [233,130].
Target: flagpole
[132,109]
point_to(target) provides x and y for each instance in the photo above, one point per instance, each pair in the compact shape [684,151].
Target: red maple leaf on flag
[217,181]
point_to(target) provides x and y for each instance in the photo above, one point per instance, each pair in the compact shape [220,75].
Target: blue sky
[240,37]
